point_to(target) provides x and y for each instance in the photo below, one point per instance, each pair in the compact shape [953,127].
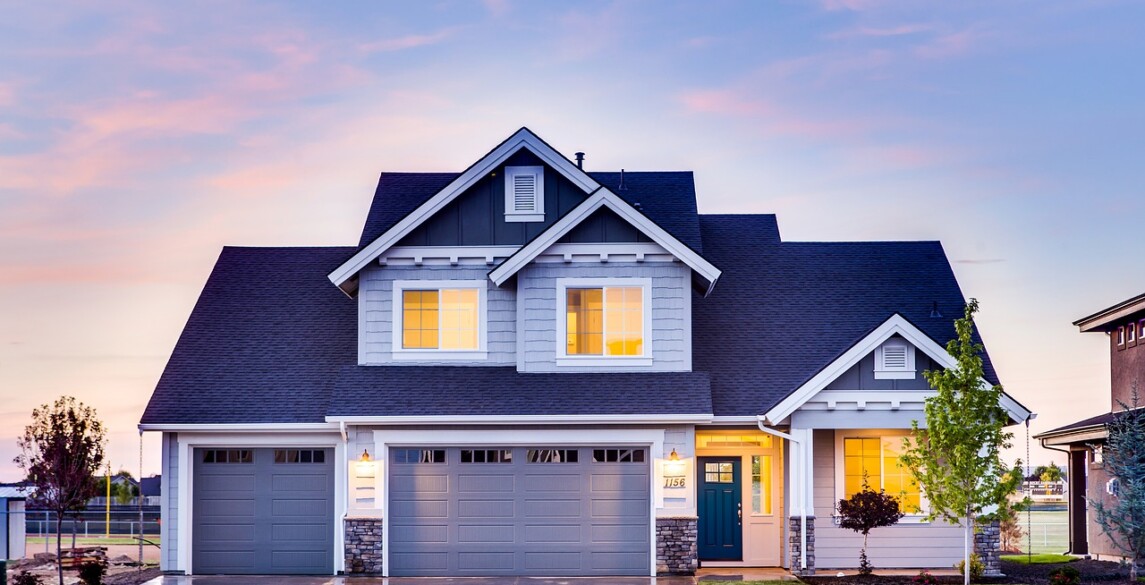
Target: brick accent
[676,545]
[795,542]
[364,546]
[988,546]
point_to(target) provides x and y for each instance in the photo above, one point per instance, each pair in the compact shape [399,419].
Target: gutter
[802,491]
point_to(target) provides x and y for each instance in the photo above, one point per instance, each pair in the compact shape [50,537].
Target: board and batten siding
[914,546]
[861,376]
[670,346]
[169,503]
[377,314]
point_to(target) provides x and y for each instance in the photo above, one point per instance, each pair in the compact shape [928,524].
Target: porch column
[801,485]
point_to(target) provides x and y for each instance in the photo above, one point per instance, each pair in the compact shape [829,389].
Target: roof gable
[345,275]
[601,199]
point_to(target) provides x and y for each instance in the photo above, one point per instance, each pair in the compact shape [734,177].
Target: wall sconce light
[674,466]
[673,456]
[364,467]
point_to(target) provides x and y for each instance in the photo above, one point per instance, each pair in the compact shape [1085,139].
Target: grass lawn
[90,540]
[1039,559]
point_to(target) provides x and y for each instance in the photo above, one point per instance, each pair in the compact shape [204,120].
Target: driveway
[713,574]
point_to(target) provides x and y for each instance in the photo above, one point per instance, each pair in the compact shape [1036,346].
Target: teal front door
[721,509]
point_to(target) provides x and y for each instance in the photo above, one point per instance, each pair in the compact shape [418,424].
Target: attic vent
[524,194]
[894,360]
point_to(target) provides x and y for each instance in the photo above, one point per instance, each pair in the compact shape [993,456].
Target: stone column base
[364,546]
[795,543]
[676,545]
[988,547]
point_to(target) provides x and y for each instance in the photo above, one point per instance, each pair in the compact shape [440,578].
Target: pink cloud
[894,31]
[954,44]
[851,5]
[407,42]
[770,117]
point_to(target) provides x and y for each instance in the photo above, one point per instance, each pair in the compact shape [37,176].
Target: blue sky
[136,139]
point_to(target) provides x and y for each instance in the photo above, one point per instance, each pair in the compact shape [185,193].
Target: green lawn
[1039,559]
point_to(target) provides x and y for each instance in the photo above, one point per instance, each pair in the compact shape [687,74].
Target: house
[12,535]
[526,368]
[1124,325]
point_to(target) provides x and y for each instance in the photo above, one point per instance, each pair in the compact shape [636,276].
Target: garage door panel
[420,484]
[519,515]
[259,516]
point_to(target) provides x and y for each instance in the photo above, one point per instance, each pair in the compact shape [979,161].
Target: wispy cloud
[956,44]
[879,32]
[407,42]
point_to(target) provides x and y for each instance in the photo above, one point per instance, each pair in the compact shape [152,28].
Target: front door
[720,509]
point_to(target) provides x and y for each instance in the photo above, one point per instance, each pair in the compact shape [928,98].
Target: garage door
[263,511]
[519,511]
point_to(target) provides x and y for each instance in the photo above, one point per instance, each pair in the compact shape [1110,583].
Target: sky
[137,139]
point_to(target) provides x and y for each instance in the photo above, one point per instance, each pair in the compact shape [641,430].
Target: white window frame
[563,359]
[1121,336]
[400,353]
[1131,333]
[512,214]
[882,372]
[840,470]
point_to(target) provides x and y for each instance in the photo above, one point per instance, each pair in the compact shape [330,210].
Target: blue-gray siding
[376,301]
[861,376]
[169,504]
[671,313]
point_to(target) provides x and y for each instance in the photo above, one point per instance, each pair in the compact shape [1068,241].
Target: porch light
[673,466]
[364,467]
[673,456]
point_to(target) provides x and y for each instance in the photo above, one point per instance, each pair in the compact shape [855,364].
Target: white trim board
[605,198]
[896,324]
[523,138]
[525,419]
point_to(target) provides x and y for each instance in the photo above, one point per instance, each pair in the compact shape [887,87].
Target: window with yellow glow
[605,321]
[878,459]
[761,484]
[444,319]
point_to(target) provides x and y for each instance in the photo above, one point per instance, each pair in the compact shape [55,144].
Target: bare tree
[60,453]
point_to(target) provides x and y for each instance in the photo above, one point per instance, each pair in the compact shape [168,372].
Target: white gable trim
[896,324]
[604,198]
[522,138]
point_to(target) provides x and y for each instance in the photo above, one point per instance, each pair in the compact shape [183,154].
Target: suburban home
[526,368]
[1124,325]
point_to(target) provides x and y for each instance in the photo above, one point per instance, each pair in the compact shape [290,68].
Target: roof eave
[1098,320]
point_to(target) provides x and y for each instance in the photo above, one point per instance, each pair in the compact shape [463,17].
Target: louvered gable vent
[894,357]
[894,360]
[524,194]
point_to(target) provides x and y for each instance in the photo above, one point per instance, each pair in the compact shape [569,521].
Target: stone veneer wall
[988,545]
[794,544]
[676,545]
[364,545]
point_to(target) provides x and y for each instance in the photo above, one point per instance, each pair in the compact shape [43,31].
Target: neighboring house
[12,535]
[1124,324]
[151,490]
[529,369]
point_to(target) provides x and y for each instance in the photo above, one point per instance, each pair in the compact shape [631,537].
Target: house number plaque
[675,481]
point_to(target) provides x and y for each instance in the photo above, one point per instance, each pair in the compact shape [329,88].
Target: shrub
[925,578]
[1065,576]
[976,567]
[26,578]
[91,572]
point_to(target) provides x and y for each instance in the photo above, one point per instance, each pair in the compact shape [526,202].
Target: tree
[956,458]
[866,510]
[1123,458]
[1050,474]
[60,452]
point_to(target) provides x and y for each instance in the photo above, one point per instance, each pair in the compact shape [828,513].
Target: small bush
[91,572]
[1065,576]
[976,567]
[925,578]
[26,578]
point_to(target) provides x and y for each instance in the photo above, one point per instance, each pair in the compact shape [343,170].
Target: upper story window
[439,320]
[524,194]
[894,360]
[1131,333]
[604,321]
[1121,336]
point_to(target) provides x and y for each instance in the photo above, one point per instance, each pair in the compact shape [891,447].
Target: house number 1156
[674,482]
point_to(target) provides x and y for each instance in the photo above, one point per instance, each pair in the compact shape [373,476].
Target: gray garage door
[263,511]
[519,511]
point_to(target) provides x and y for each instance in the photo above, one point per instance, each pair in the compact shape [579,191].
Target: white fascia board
[604,198]
[522,138]
[243,427]
[508,420]
[895,324]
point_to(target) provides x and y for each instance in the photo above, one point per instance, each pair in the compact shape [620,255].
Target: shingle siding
[169,503]
[376,298]
[671,323]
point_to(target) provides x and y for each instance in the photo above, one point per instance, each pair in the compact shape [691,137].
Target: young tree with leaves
[1123,459]
[864,511]
[60,453]
[956,458]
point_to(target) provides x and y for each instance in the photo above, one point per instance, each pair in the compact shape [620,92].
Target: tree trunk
[59,546]
[966,551]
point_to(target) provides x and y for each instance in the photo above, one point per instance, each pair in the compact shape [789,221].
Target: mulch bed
[1091,572]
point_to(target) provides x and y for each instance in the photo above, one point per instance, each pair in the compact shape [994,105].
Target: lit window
[605,321]
[761,484]
[878,459]
[438,318]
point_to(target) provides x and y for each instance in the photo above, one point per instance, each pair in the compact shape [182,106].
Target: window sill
[888,375]
[524,217]
[434,355]
[603,362]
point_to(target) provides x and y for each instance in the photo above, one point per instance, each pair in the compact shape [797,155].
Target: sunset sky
[137,139]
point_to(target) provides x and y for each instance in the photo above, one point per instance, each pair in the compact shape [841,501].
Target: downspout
[801,476]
